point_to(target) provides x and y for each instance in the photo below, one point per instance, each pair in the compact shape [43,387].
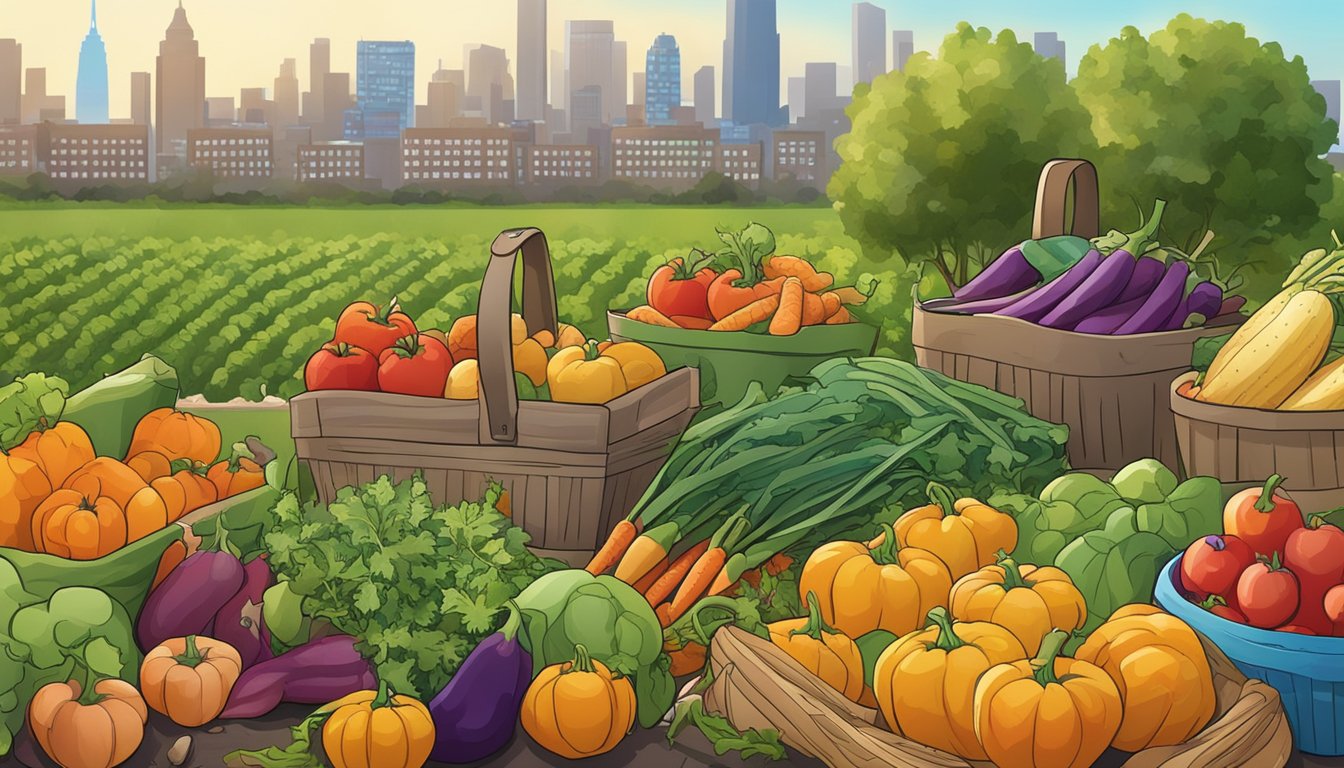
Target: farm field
[236,298]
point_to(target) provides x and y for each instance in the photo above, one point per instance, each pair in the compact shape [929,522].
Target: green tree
[1225,128]
[942,160]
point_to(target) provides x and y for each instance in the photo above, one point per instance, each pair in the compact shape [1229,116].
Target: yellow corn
[1324,391]
[1275,362]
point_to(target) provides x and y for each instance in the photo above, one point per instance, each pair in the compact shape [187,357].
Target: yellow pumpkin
[1049,712]
[578,709]
[189,678]
[1162,672]
[1026,600]
[588,375]
[79,728]
[924,681]
[964,533]
[879,585]
[377,729]
[23,486]
[829,655]
[70,524]
[568,336]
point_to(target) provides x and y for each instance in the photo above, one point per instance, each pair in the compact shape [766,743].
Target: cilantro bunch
[417,585]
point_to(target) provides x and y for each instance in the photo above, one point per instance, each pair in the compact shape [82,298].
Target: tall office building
[1330,89]
[530,103]
[820,93]
[662,80]
[254,107]
[869,42]
[37,104]
[589,54]
[336,100]
[620,81]
[1049,45]
[489,83]
[447,91]
[141,108]
[751,64]
[640,91]
[902,48]
[704,96]
[385,83]
[11,81]
[91,84]
[319,66]
[286,95]
[797,95]
[179,101]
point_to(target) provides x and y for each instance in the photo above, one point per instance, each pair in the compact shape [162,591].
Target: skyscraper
[620,82]
[531,98]
[11,81]
[704,96]
[751,64]
[385,82]
[489,83]
[141,110]
[1049,45]
[819,87]
[1330,89]
[869,42]
[797,95]
[902,48]
[662,80]
[319,66]
[589,52]
[335,101]
[91,85]
[286,95]
[179,101]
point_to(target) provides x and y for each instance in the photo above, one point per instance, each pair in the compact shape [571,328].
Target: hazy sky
[244,41]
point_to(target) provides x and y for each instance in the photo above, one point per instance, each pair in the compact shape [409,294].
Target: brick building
[96,154]
[801,155]
[740,162]
[18,150]
[232,153]
[560,164]
[466,156]
[338,161]
[665,155]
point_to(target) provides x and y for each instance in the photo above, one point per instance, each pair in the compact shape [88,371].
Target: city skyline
[809,32]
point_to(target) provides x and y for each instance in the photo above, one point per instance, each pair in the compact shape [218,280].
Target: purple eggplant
[1036,304]
[474,715]
[979,307]
[1148,273]
[316,673]
[189,598]
[1008,274]
[1230,305]
[1160,305]
[239,623]
[1206,299]
[1105,283]
[1105,321]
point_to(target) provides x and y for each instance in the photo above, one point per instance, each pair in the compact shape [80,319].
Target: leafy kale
[28,403]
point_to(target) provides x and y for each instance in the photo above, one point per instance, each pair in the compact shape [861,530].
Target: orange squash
[144,508]
[176,435]
[174,496]
[231,478]
[150,465]
[98,730]
[379,729]
[1026,600]
[23,486]
[189,678]
[69,524]
[827,654]
[198,489]
[964,533]
[579,708]
[59,451]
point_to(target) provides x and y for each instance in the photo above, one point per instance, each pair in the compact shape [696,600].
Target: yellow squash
[375,729]
[1049,712]
[1162,672]
[1324,391]
[924,681]
[880,585]
[831,656]
[1026,600]
[1277,360]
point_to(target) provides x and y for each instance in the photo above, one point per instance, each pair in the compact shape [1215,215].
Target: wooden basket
[1247,445]
[1111,391]
[571,471]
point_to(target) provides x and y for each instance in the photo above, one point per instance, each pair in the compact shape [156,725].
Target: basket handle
[1051,193]
[494,325]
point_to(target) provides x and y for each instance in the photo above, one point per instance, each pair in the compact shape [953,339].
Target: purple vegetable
[1160,305]
[1034,305]
[1206,299]
[1008,274]
[1147,274]
[474,715]
[317,673]
[239,623]
[1230,305]
[1106,320]
[1105,284]
[982,306]
[188,599]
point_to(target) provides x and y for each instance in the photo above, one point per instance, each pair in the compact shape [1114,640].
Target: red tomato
[729,292]
[415,365]
[365,326]
[1212,565]
[678,289]
[338,365]
[1267,594]
[1315,555]
[1334,609]
[1216,605]
[1297,629]
[1264,518]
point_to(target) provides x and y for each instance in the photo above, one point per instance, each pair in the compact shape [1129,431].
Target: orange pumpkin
[1026,600]
[964,533]
[98,730]
[176,435]
[198,489]
[174,496]
[144,508]
[150,465]
[69,524]
[231,478]
[189,678]
[23,486]
[59,451]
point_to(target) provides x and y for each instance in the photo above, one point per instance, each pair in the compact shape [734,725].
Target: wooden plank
[436,480]
[1256,459]
[1226,450]
[518,500]
[962,367]
[402,474]
[1292,459]
[1057,398]
[1081,453]
[656,402]
[1324,462]
[303,417]
[1004,380]
[1040,394]
[454,486]
[391,452]
[1022,386]
[981,372]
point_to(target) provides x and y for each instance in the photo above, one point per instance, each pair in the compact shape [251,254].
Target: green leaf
[102,657]
[1053,256]
[722,735]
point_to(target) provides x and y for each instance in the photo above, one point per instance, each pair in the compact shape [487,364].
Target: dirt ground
[643,748]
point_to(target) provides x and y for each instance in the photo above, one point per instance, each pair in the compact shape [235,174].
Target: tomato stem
[1266,501]
[947,636]
[1213,601]
[1044,663]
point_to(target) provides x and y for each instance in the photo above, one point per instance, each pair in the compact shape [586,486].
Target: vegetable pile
[1115,285]
[1269,568]
[1277,360]
[754,290]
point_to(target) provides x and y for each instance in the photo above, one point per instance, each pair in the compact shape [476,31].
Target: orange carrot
[706,567]
[851,295]
[814,309]
[841,316]
[692,323]
[789,317]
[793,266]
[644,553]
[664,614]
[663,587]
[755,312]
[647,314]
[830,304]
[620,539]
[652,576]
[171,558]
[688,660]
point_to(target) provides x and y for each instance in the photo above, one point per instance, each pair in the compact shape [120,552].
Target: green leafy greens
[28,403]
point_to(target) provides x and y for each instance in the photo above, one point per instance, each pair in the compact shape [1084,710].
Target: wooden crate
[571,471]
[1247,445]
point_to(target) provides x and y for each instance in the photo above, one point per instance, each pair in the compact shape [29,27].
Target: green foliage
[1225,128]
[28,403]
[943,158]
[418,586]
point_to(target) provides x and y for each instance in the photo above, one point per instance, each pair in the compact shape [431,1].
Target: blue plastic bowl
[1307,671]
